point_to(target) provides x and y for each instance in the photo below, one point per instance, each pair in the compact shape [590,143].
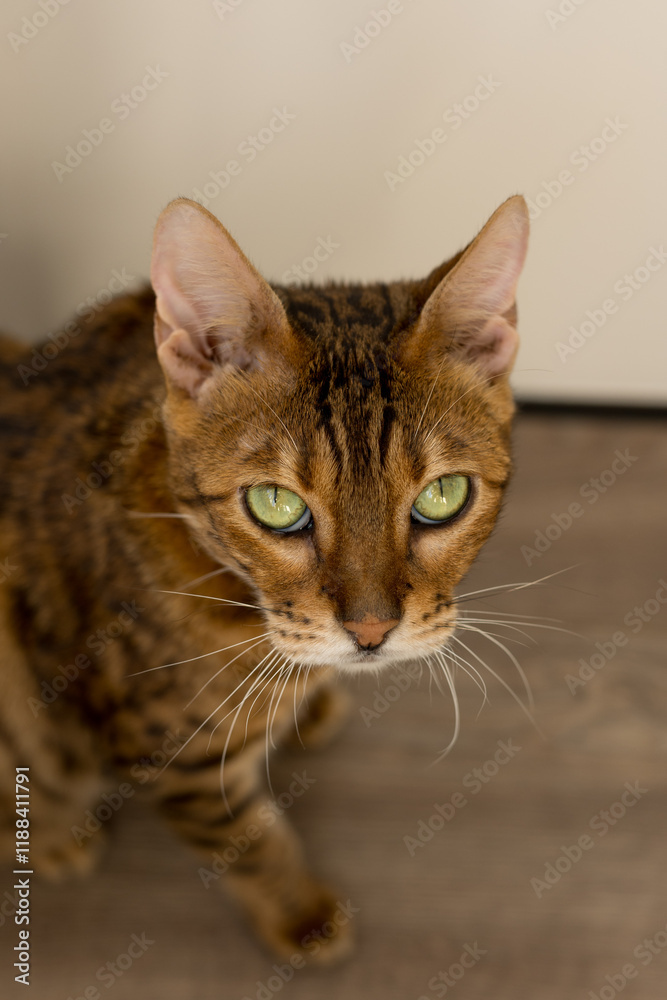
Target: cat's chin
[358,661]
[366,662]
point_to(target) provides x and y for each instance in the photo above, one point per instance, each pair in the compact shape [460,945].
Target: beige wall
[334,111]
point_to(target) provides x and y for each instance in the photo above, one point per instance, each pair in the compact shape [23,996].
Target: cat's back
[54,394]
[10,350]
[18,413]
[77,363]
[12,353]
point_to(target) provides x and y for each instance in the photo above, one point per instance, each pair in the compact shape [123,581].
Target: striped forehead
[353,312]
[354,412]
[350,380]
[355,417]
[337,422]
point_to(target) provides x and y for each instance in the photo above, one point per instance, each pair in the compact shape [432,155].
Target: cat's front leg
[50,774]
[252,848]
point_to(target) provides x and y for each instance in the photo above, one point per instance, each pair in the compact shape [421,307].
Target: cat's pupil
[442,499]
[277,508]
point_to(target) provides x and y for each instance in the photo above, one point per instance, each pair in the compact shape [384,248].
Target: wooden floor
[479,886]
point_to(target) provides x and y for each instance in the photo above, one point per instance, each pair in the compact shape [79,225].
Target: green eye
[277,508]
[441,500]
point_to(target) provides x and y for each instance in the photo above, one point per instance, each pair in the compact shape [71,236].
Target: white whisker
[236,712]
[285,667]
[276,667]
[202,656]
[207,576]
[513,624]
[469,624]
[260,639]
[207,597]
[258,681]
[296,688]
[275,415]
[477,385]
[308,668]
[437,376]
[509,614]
[501,681]
[208,718]
[512,657]
[290,669]
[141,513]
[433,679]
[511,587]
[472,672]
[457,712]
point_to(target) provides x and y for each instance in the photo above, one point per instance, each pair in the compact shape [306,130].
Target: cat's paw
[319,932]
[323,717]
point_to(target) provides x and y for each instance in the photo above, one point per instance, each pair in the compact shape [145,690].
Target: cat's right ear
[213,309]
[471,314]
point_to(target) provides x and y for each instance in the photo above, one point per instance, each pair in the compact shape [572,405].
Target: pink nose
[370,632]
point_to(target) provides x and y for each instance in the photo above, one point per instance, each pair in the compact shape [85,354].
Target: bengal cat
[192,539]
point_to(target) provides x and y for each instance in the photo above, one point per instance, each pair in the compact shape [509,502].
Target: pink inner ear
[183,363]
[212,307]
[472,310]
[171,305]
[494,347]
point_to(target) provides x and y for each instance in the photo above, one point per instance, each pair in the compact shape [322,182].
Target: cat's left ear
[472,312]
[212,307]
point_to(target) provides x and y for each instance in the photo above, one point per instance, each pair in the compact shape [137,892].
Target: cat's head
[344,449]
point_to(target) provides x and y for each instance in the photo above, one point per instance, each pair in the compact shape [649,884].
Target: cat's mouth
[339,652]
[369,656]
[359,646]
